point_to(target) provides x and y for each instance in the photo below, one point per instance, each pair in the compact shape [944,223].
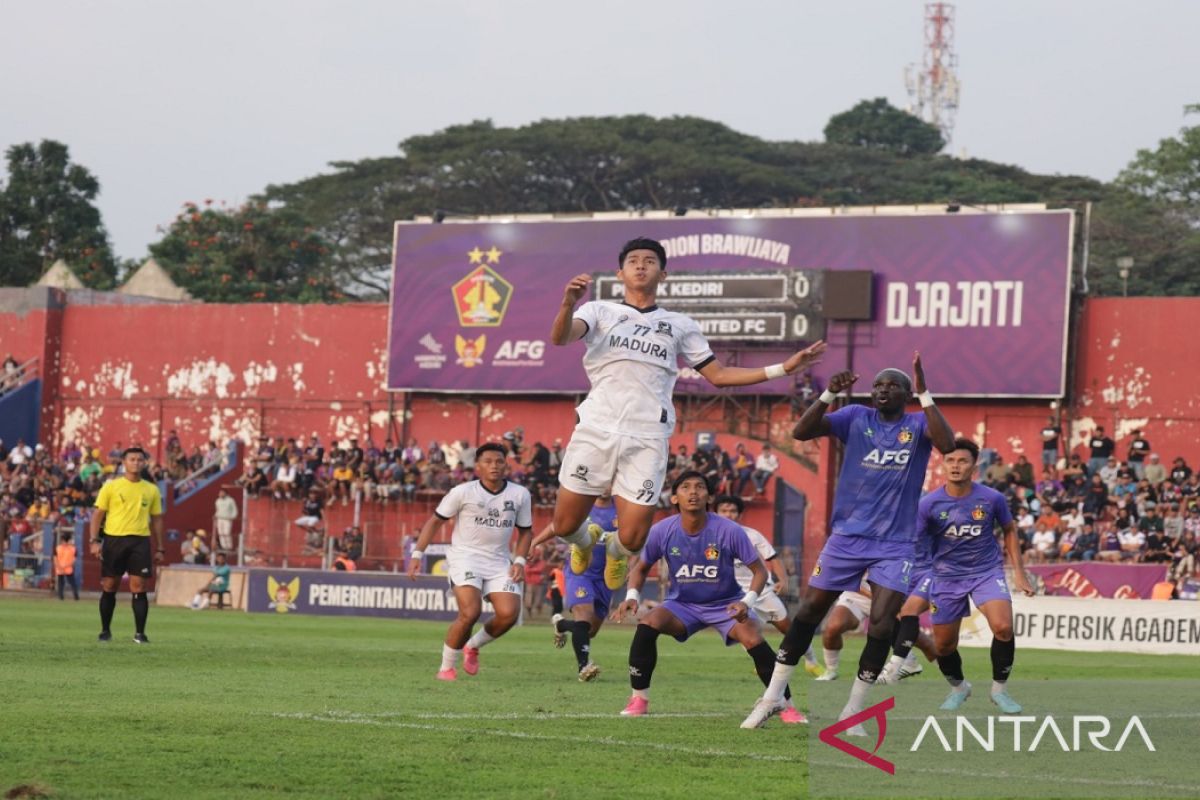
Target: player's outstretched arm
[423,540]
[938,429]
[812,423]
[1012,547]
[566,328]
[720,375]
[637,579]
[740,609]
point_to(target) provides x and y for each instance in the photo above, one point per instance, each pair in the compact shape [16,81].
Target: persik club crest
[816,570]
[978,513]
[581,592]
[481,297]
[905,436]
[283,595]
[470,351]
[712,553]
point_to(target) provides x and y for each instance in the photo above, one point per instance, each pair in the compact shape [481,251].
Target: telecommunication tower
[933,84]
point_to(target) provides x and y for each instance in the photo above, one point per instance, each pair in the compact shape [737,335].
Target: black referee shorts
[121,554]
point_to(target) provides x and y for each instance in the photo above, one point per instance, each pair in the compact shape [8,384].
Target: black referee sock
[1003,655]
[795,642]
[873,657]
[951,667]
[108,604]
[581,635]
[764,665]
[643,655]
[141,608]
[906,635]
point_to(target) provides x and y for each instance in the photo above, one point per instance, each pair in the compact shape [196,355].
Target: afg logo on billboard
[481,297]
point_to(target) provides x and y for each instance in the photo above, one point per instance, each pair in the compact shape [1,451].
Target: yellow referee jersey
[128,506]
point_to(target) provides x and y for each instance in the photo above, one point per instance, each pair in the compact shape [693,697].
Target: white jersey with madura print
[632,362]
[483,521]
[766,552]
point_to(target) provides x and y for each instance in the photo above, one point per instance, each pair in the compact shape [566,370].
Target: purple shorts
[697,617]
[584,589]
[845,559]
[922,583]
[949,598]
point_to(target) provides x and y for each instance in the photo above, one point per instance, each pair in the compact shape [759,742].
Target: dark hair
[730,499]
[898,373]
[491,447]
[643,243]
[969,446]
[129,450]
[688,475]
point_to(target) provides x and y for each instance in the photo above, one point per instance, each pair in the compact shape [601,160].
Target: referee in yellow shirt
[128,509]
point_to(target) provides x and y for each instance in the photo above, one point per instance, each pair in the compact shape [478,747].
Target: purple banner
[1089,579]
[983,297]
[305,591]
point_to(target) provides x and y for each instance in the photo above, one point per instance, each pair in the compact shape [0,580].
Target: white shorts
[631,467]
[308,522]
[770,608]
[858,604]
[486,575]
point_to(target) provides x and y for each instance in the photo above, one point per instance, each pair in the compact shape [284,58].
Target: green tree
[47,213]
[248,254]
[1170,173]
[880,125]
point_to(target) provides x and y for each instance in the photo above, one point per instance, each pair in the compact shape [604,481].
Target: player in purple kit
[587,596]
[960,519]
[873,526]
[700,548]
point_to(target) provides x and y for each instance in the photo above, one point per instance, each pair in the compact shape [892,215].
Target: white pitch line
[549,715]
[603,741]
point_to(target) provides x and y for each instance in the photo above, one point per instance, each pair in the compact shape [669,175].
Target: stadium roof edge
[763,213]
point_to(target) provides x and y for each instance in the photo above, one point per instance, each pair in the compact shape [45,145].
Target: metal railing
[23,374]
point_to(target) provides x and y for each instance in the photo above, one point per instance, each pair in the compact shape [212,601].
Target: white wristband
[632,594]
[775,371]
[519,560]
[750,599]
[926,399]
[827,397]
[417,554]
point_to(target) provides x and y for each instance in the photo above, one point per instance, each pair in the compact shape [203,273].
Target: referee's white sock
[779,681]
[480,638]
[449,657]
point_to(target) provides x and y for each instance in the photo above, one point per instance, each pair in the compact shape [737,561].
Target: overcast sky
[167,102]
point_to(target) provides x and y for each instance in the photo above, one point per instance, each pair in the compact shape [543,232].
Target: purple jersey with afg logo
[961,531]
[882,472]
[701,567]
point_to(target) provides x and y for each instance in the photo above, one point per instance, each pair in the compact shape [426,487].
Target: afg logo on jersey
[470,351]
[481,297]
[883,458]
[905,436]
[978,513]
[712,553]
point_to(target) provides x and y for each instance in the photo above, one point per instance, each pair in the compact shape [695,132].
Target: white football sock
[580,536]
[449,657]
[480,638]
[998,686]
[832,659]
[779,681]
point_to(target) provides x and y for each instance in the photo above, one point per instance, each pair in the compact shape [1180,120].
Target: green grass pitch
[227,704]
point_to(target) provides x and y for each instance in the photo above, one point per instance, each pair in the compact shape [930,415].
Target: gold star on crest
[476,255]
[493,255]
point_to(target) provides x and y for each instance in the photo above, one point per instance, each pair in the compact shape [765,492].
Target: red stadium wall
[131,373]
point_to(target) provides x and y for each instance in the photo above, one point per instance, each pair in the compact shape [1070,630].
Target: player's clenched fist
[842,381]
[576,287]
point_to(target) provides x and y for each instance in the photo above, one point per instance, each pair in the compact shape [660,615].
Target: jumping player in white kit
[620,442]
[484,511]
